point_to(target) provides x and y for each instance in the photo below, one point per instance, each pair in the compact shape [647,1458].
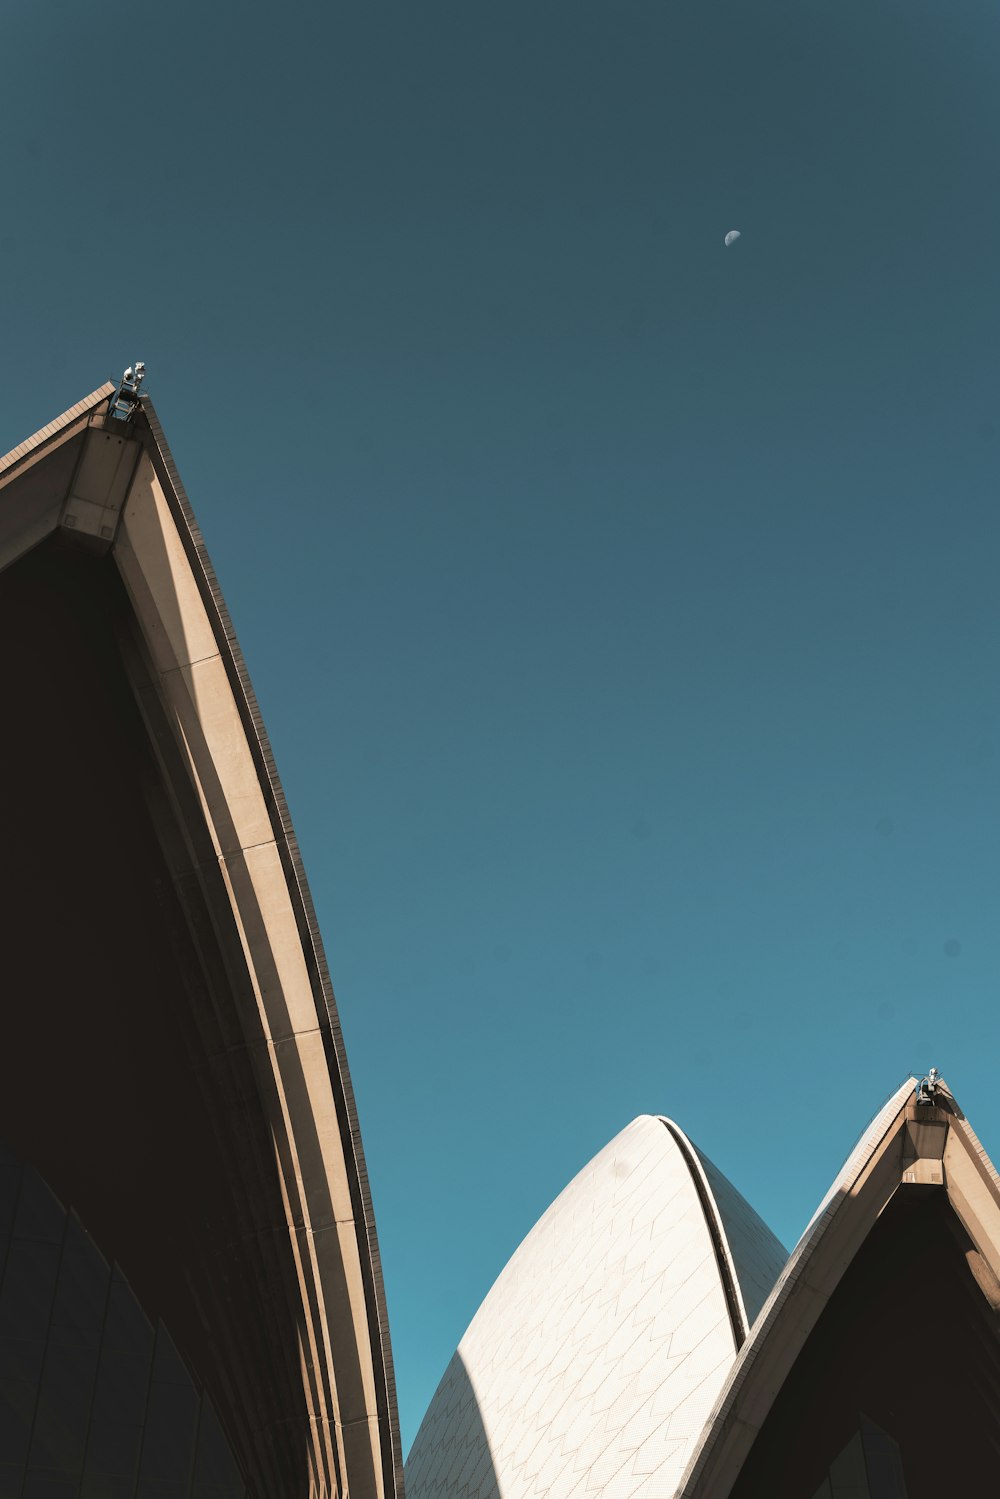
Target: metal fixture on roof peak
[125,401]
[927,1087]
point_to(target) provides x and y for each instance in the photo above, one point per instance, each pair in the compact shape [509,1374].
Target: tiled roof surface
[595,1359]
[758,1256]
[795,1268]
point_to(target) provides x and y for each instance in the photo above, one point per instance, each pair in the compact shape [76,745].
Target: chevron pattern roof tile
[597,1356]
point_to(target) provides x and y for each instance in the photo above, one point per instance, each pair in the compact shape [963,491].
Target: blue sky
[623,609]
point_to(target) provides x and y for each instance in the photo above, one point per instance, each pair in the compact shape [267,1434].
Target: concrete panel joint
[92,510]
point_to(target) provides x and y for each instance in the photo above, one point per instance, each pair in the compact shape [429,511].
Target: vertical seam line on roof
[346,1108]
[772,1311]
[716,1234]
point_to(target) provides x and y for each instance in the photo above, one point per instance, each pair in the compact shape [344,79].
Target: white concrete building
[650,1339]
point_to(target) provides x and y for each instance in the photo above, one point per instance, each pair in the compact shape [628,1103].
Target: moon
[732,237]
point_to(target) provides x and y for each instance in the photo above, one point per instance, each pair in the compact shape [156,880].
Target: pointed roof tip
[140,520]
[648,1229]
[916,1146]
[918,1143]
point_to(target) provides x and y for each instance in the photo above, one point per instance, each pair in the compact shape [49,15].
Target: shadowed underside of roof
[174,1065]
[94,1399]
[876,1360]
[80,413]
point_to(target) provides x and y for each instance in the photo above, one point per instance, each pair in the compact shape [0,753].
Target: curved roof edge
[904,1144]
[312,945]
[746,1278]
[609,1331]
[113,488]
[77,414]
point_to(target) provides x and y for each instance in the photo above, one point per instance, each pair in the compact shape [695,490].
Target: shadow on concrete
[92,1395]
[111,1084]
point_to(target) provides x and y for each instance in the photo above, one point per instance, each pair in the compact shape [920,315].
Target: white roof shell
[597,1356]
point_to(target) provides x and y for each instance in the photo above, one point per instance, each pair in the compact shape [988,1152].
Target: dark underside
[908,1344]
[123,1077]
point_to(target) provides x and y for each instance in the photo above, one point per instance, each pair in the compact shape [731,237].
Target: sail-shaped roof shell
[917,1203]
[648,1340]
[594,1360]
[174,1062]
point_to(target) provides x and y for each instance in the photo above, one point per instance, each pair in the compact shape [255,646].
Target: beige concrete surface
[229,846]
[874,1172]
